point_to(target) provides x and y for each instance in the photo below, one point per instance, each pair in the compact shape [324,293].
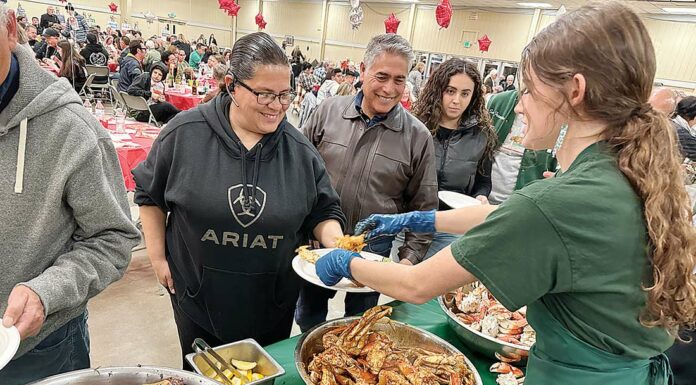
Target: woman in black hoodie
[452,106]
[229,190]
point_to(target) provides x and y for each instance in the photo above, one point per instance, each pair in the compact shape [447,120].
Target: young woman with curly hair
[453,108]
[602,254]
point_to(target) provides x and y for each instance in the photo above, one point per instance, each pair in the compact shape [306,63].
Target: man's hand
[24,311]
[483,199]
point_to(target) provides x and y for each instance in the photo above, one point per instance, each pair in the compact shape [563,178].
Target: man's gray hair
[390,43]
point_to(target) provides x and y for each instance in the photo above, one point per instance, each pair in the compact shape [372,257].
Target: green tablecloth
[428,317]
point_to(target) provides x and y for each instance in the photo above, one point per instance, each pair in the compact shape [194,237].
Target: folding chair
[86,87]
[102,72]
[119,102]
[139,104]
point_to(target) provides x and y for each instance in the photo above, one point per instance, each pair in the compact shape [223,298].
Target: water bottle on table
[120,116]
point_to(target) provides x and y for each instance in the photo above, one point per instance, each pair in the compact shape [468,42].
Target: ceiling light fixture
[535,5]
[680,10]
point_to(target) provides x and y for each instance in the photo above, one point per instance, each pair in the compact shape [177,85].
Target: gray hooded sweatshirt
[65,228]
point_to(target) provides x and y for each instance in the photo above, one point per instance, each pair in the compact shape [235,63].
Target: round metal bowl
[480,342]
[138,375]
[402,334]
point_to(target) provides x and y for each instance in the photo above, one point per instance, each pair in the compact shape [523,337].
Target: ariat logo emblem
[246,217]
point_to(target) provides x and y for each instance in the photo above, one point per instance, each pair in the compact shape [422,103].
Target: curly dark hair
[428,107]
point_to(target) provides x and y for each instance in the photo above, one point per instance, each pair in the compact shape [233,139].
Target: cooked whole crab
[356,355]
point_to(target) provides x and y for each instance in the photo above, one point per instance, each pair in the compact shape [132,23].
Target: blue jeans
[312,306]
[64,350]
[440,241]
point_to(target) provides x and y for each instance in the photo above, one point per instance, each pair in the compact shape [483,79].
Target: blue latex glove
[383,224]
[334,266]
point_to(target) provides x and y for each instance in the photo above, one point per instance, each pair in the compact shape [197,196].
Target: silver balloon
[356,16]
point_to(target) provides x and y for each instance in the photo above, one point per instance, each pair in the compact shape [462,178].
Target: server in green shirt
[603,253]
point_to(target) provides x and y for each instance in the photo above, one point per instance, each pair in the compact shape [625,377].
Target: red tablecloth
[183,101]
[132,152]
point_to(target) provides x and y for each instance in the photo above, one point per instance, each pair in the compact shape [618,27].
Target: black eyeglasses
[266,98]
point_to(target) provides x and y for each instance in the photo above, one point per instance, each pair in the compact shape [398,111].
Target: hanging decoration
[260,21]
[229,6]
[391,24]
[443,13]
[63,1]
[356,16]
[467,44]
[171,15]
[484,43]
[21,11]
[149,17]
[354,3]
[113,7]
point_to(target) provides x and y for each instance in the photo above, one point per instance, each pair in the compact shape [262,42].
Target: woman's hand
[164,275]
[382,224]
[334,266]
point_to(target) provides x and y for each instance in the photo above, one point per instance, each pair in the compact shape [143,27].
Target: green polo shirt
[580,241]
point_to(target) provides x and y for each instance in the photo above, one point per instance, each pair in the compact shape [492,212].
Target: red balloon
[484,43]
[260,21]
[443,13]
[229,6]
[391,24]
[113,7]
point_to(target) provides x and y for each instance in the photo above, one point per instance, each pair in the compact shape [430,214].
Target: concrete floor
[131,322]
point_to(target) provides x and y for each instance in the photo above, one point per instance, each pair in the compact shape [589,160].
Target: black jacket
[226,255]
[95,54]
[43,50]
[47,20]
[461,165]
[141,85]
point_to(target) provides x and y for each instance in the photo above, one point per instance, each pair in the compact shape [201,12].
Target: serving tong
[201,347]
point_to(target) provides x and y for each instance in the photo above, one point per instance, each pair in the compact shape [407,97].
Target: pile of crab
[355,354]
[483,313]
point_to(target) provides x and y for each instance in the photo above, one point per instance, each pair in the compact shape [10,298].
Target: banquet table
[428,317]
[132,147]
[183,101]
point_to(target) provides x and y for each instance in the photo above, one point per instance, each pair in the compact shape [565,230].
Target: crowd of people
[581,176]
[67,45]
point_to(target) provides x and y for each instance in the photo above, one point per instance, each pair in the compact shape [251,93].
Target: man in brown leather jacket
[380,159]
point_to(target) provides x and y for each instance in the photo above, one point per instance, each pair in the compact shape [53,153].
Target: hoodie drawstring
[249,195]
[21,152]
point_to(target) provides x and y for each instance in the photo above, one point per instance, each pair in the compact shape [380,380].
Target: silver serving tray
[402,334]
[481,342]
[244,350]
[137,375]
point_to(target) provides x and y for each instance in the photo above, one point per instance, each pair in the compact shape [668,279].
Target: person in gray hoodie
[65,228]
